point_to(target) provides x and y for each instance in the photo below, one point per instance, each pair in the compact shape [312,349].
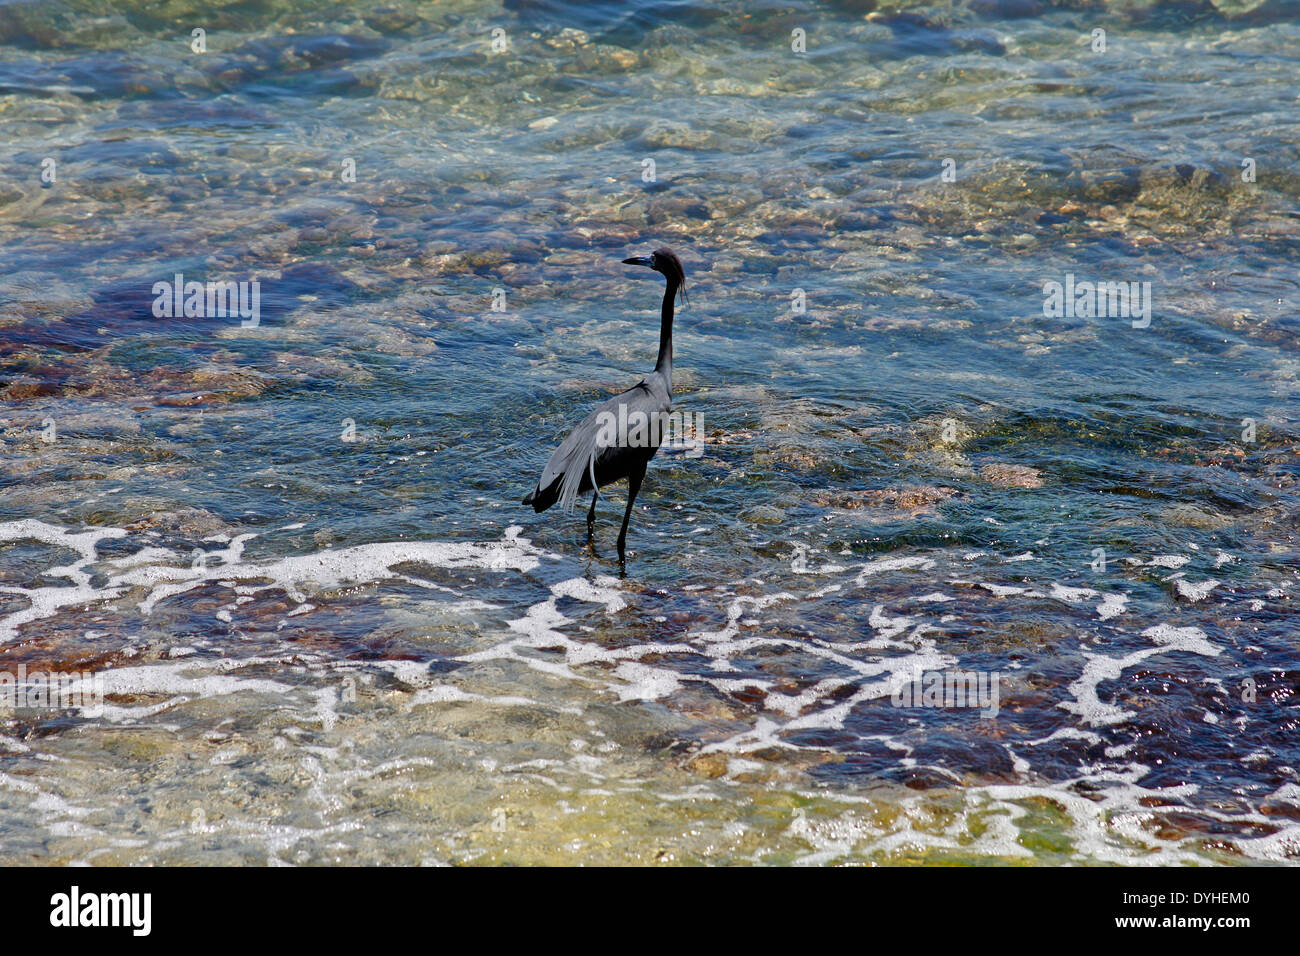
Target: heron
[620,436]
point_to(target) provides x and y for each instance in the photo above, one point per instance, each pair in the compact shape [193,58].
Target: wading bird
[618,439]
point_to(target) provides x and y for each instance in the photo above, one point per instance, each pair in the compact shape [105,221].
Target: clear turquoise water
[729,700]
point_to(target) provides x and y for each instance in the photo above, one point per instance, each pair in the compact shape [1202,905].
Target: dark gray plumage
[594,454]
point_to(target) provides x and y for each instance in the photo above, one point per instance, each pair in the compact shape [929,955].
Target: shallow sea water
[328,632]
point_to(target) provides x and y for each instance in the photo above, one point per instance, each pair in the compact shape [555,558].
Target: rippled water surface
[294,554]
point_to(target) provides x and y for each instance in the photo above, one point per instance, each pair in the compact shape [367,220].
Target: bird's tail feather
[542,498]
[573,481]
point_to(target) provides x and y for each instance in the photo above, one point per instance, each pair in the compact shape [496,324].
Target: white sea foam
[881,565]
[1194,591]
[587,647]
[324,570]
[1112,605]
[1099,667]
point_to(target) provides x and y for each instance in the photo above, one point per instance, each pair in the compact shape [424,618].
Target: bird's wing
[585,448]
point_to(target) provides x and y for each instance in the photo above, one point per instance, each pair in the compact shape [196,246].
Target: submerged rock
[911,498]
[1010,476]
[763,514]
[195,522]
[710,766]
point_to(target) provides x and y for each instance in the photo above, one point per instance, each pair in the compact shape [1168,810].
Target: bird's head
[664,261]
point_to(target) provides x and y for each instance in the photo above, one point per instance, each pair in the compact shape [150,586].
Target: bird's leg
[591,516]
[633,486]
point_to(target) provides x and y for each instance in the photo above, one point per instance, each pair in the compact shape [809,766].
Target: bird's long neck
[665,363]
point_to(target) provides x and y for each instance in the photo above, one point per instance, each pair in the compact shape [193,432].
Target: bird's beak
[638,261]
